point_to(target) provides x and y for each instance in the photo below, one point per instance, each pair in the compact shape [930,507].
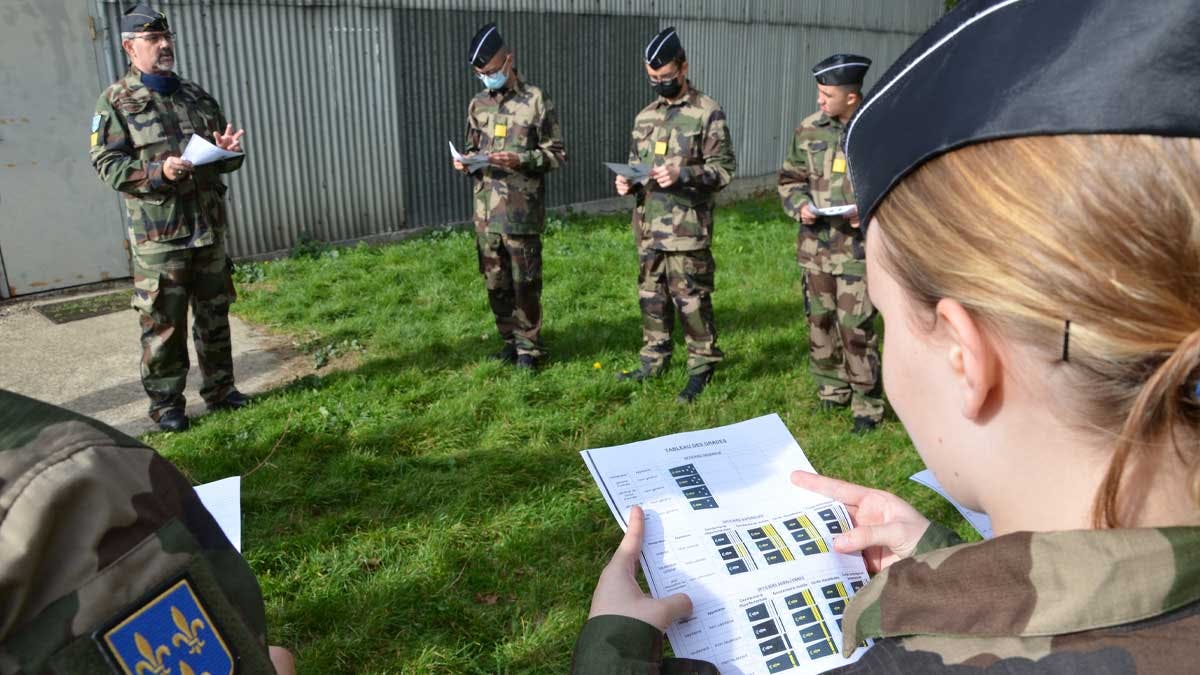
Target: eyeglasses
[155,38]
[665,80]
[496,69]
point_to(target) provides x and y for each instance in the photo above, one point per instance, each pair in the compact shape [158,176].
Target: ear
[972,358]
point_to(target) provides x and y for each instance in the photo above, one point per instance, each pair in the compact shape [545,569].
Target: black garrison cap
[664,48]
[484,45]
[994,69]
[842,69]
[141,18]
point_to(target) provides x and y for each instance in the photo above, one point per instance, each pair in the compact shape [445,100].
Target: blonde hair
[1102,231]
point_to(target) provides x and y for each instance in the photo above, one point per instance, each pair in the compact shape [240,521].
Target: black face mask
[668,89]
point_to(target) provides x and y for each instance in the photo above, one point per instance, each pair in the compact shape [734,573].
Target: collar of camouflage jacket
[1031,585]
[825,120]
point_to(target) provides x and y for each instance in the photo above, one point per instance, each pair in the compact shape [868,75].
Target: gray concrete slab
[90,366]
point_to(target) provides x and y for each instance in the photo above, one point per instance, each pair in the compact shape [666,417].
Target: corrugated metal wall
[761,76]
[316,90]
[348,104]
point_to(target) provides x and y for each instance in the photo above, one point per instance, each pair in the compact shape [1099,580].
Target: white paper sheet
[833,210]
[223,499]
[980,521]
[472,162]
[636,173]
[200,152]
[725,525]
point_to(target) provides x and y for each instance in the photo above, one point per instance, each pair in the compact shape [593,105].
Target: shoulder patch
[171,632]
[96,122]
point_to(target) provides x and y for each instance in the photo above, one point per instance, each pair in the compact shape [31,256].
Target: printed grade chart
[725,525]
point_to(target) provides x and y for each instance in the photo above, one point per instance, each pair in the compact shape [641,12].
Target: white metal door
[59,225]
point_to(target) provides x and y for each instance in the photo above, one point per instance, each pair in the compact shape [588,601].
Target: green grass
[427,511]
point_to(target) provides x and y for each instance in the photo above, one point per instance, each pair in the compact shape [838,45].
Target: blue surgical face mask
[497,79]
[494,81]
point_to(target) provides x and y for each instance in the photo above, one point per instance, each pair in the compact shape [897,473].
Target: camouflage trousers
[163,286]
[678,281]
[511,266]
[844,359]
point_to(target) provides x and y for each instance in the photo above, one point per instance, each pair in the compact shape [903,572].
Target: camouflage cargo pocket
[700,269]
[643,143]
[230,289]
[146,290]
[524,137]
[154,219]
[816,157]
[526,252]
[145,125]
[690,146]
[686,221]
[853,303]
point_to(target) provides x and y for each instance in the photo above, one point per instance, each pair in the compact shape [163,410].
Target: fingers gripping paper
[725,525]
[200,152]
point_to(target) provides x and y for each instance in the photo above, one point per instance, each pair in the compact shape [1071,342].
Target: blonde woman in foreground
[1030,174]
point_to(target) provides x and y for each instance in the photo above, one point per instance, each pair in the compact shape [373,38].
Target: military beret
[141,18]
[993,69]
[484,45]
[664,48]
[108,558]
[842,69]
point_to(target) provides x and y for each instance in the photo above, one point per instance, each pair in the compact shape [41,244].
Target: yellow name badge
[839,165]
[95,138]
[500,131]
[660,147]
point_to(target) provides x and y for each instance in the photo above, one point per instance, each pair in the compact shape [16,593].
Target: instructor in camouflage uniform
[682,136]
[176,214]
[844,356]
[515,125]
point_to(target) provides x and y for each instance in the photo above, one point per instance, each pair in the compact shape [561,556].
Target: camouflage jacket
[690,132]
[520,119]
[815,172]
[95,528]
[1084,601]
[133,131]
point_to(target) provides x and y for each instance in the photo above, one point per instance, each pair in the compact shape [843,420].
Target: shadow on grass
[429,561]
[585,340]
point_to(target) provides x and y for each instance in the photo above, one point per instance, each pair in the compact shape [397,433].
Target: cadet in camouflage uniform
[844,355]
[1018,603]
[515,125]
[99,535]
[1047,371]
[682,136]
[177,216]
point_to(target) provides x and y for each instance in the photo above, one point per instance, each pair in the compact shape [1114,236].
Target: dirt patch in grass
[84,308]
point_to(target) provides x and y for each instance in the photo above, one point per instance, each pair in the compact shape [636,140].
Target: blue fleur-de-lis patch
[171,634]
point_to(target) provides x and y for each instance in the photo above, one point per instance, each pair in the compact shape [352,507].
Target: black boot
[527,362]
[506,355]
[235,400]
[644,372]
[695,385]
[173,420]
[864,425]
